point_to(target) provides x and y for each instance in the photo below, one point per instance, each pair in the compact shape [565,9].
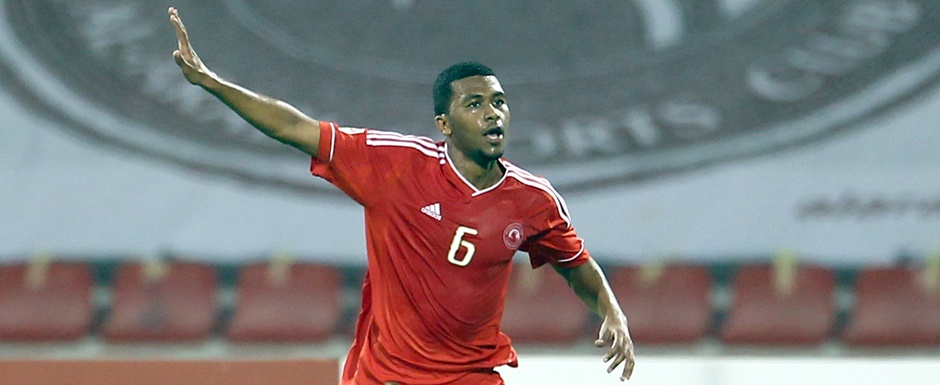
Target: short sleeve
[556,241]
[345,160]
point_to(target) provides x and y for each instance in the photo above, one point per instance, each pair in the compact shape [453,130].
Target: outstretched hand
[193,69]
[614,332]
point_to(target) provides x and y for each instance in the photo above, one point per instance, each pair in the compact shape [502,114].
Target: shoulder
[538,185]
[530,180]
[397,141]
[388,141]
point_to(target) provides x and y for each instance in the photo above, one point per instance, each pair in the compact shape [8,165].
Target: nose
[491,113]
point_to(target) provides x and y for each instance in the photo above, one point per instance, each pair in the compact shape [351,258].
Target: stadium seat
[303,305]
[542,309]
[768,309]
[175,303]
[45,301]
[893,306]
[664,305]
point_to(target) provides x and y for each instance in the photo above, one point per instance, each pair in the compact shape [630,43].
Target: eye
[499,102]
[474,104]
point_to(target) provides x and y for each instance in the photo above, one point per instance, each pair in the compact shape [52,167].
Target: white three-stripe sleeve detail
[425,145]
[395,143]
[428,142]
[525,174]
[542,184]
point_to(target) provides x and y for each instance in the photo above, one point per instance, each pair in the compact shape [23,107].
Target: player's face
[478,118]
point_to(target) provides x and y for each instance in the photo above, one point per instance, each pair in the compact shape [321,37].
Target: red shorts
[480,378]
[490,377]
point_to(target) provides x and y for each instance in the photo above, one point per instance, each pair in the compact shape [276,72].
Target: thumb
[178,58]
[602,337]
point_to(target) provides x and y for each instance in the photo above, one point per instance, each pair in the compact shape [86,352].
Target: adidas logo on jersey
[432,210]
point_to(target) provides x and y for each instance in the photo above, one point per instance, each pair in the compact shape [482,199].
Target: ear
[443,124]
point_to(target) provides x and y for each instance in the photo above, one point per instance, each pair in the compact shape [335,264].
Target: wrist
[210,82]
[617,314]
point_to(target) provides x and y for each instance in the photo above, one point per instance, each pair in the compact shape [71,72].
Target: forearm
[271,116]
[590,284]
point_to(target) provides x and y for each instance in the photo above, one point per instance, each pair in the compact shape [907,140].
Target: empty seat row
[304,302]
[769,305]
[172,302]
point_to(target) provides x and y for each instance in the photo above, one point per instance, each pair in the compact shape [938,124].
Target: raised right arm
[271,116]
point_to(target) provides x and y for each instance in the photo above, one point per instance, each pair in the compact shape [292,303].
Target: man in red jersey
[443,221]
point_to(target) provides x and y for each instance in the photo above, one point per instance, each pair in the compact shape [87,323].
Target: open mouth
[494,134]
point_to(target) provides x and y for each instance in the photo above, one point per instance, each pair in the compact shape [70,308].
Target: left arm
[590,284]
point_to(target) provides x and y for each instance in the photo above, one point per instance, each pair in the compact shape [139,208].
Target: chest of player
[458,229]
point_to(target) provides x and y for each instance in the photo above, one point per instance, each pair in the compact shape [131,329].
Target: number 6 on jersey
[458,242]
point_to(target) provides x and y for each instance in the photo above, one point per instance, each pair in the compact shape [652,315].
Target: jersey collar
[474,190]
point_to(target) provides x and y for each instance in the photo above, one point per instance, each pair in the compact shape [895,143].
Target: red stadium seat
[45,302]
[542,309]
[667,305]
[766,310]
[178,305]
[893,306]
[303,306]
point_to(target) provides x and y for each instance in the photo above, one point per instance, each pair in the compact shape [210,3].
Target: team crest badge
[513,236]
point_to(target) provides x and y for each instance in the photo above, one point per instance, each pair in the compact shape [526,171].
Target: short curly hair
[442,85]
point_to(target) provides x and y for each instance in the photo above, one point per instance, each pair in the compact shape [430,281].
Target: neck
[481,173]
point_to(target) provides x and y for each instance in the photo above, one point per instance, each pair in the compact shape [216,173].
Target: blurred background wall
[701,130]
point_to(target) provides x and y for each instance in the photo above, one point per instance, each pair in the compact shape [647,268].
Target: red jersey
[439,254]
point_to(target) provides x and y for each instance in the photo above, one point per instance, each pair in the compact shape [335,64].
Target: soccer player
[443,221]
